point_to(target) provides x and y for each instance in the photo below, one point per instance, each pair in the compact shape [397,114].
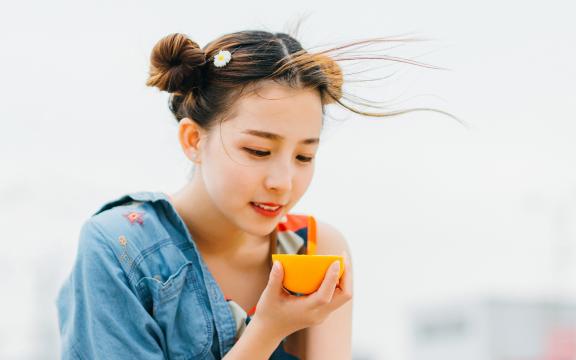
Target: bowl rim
[314,255]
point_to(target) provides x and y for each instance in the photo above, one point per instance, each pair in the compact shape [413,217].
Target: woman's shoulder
[129,225]
[330,240]
[134,214]
[132,207]
[132,231]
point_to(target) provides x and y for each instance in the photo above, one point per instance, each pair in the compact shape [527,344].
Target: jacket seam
[143,254]
[104,235]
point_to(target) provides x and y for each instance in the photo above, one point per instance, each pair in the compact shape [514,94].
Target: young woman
[189,275]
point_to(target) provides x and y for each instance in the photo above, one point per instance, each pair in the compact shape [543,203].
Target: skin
[233,239]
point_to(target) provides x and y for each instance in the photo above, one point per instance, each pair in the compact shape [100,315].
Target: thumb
[276,276]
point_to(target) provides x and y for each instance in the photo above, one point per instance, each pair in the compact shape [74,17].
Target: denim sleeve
[100,316]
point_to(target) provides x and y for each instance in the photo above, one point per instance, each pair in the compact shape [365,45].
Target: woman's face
[263,153]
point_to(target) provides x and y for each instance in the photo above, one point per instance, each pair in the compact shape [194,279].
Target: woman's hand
[282,314]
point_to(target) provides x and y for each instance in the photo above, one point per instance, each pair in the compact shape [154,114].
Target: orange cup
[304,273]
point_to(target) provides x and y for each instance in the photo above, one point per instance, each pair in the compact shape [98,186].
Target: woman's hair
[202,91]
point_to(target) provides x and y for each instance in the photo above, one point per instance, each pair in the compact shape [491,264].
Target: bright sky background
[433,212]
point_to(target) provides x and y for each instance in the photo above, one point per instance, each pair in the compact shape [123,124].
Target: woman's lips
[266,212]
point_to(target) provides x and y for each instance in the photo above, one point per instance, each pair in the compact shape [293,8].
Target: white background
[434,212]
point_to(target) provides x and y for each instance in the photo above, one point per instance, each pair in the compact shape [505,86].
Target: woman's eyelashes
[261,153]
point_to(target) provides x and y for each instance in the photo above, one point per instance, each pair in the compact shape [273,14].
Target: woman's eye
[304,158]
[260,153]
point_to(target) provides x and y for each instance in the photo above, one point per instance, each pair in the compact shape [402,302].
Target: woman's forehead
[280,110]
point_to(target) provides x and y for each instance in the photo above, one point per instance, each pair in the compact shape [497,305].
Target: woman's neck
[214,235]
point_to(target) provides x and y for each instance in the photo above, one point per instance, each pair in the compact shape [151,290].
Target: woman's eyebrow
[272,136]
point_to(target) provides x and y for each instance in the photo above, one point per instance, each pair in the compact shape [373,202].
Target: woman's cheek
[241,181]
[304,182]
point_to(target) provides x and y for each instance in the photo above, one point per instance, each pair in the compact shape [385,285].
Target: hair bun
[176,64]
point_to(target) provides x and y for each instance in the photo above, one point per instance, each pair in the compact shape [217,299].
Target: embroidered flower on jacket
[222,58]
[135,216]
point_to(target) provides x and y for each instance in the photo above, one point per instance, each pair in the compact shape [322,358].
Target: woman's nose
[279,177]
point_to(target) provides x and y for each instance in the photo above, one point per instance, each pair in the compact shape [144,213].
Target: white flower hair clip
[222,58]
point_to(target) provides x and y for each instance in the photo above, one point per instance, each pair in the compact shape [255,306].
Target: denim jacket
[139,289]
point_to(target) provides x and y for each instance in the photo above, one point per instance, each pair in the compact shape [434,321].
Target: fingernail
[276,265]
[336,266]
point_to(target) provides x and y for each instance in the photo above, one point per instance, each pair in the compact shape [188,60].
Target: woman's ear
[190,134]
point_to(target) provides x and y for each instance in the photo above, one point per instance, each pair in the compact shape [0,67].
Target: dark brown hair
[203,92]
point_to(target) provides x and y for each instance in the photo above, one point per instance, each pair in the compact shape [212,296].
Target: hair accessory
[222,58]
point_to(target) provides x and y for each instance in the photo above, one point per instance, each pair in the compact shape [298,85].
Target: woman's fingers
[276,278]
[324,294]
[343,292]
[344,282]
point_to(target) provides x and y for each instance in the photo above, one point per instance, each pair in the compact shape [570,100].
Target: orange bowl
[304,273]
